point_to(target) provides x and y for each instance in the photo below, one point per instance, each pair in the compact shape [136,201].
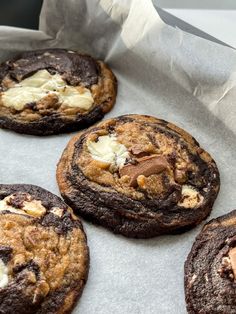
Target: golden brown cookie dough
[138,176]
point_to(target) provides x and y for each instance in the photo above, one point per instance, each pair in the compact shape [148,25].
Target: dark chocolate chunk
[31,265]
[75,68]
[5,253]
[17,200]
[62,225]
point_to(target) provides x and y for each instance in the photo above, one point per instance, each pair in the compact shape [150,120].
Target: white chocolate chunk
[3,274]
[41,78]
[57,211]
[107,149]
[41,84]
[190,197]
[17,97]
[32,208]
[71,98]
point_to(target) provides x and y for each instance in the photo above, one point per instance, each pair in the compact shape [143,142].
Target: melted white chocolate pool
[42,84]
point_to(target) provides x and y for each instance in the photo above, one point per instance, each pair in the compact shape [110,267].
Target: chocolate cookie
[210,269]
[43,252]
[53,91]
[138,176]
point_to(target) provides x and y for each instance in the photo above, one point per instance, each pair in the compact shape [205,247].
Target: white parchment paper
[163,72]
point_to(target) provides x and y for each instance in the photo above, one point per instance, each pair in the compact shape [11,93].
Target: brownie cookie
[210,269]
[53,91]
[43,252]
[138,176]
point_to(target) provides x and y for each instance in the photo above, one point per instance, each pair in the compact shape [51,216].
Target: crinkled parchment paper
[163,72]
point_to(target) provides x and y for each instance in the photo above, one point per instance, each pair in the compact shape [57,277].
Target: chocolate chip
[30,266]
[32,106]
[138,152]
[5,253]
[146,166]
[172,158]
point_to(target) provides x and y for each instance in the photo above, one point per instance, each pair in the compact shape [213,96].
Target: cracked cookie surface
[210,269]
[138,176]
[54,91]
[43,252]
